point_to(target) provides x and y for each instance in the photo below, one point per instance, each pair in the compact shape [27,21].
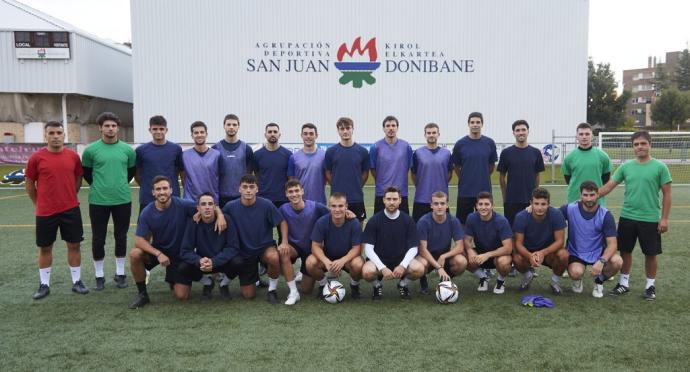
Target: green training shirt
[642,184]
[585,165]
[109,163]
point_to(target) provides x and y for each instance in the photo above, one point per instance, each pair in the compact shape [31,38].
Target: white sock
[650,282]
[98,267]
[354,282]
[44,274]
[555,278]
[224,280]
[480,273]
[76,273]
[272,284]
[120,265]
[403,282]
[376,283]
[624,280]
[323,281]
[500,278]
[293,286]
[206,280]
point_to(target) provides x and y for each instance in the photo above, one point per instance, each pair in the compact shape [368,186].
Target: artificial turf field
[484,331]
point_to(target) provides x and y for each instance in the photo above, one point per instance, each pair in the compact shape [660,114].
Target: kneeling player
[488,243]
[589,226]
[539,236]
[205,251]
[336,246]
[437,230]
[390,243]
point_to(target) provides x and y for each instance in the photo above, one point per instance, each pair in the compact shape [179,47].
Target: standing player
[391,245]
[336,246]
[300,215]
[254,219]
[347,168]
[437,232]
[202,166]
[203,251]
[519,167]
[474,157]
[390,160]
[539,236]
[109,165]
[591,240]
[270,165]
[585,163]
[432,168]
[488,243]
[237,159]
[53,178]
[307,165]
[641,217]
[159,157]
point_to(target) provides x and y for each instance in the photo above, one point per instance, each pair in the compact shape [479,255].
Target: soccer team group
[234,198]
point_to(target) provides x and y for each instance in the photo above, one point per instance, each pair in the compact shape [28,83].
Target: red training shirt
[56,176]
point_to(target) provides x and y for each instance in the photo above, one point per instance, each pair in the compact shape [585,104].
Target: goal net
[672,148]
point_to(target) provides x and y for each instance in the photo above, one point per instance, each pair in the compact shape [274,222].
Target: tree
[682,75]
[671,109]
[661,80]
[604,105]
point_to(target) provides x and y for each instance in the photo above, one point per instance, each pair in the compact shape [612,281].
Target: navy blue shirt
[391,238]
[158,160]
[166,227]
[271,171]
[474,156]
[488,235]
[439,236]
[522,166]
[254,224]
[201,240]
[538,235]
[337,240]
[346,165]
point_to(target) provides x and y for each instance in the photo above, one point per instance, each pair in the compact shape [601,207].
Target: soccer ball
[333,292]
[447,292]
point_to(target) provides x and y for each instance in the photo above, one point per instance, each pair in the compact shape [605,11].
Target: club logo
[357,71]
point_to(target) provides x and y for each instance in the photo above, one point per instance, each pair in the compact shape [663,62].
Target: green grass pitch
[66,331]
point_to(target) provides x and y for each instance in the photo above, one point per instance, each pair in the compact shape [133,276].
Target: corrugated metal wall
[191,63]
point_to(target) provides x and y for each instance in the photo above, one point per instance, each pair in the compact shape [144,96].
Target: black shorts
[172,273]
[303,256]
[572,258]
[379,206]
[191,273]
[510,210]
[646,233]
[70,225]
[359,210]
[465,206]
[419,210]
[446,265]
[247,268]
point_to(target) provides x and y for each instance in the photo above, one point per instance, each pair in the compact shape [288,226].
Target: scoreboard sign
[41,44]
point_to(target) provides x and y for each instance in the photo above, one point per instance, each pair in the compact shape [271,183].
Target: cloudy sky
[621,32]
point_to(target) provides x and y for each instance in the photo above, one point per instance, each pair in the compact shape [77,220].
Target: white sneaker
[292,298]
[483,285]
[598,291]
[298,277]
[577,286]
[500,288]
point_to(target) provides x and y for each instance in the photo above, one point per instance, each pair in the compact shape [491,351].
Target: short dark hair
[476,115]
[159,178]
[485,195]
[392,189]
[209,194]
[589,186]
[641,133]
[390,118]
[339,195]
[583,126]
[541,193]
[249,178]
[344,122]
[292,183]
[52,123]
[197,124]
[158,120]
[310,126]
[271,125]
[440,194]
[520,122]
[107,116]
[231,117]
[431,125]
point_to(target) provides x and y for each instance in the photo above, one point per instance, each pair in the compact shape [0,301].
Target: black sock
[141,286]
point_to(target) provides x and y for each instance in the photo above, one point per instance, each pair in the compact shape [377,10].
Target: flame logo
[357,72]
[370,47]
